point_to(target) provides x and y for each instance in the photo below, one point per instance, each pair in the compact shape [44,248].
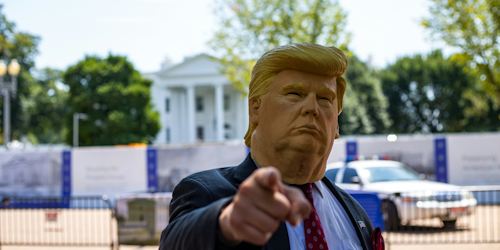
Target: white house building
[197,103]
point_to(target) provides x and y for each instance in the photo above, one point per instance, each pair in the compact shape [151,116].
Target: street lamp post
[76,118]
[6,87]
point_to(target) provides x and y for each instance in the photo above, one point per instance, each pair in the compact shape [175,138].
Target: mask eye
[324,99]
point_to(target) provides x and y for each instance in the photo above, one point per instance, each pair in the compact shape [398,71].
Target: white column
[191,123]
[219,112]
[159,96]
[167,120]
[179,118]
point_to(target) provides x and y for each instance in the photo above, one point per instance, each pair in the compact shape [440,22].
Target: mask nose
[310,106]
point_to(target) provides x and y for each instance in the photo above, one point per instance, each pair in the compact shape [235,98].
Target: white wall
[474,159]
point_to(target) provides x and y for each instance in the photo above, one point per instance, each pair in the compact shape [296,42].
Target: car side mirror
[356,180]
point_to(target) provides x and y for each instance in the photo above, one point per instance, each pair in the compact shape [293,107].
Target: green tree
[429,94]
[45,107]
[473,26]
[364,102]
[23,47]
[116,99]
[248,28]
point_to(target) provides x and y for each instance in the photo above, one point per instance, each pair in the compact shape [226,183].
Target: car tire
[449,224]
[390,215]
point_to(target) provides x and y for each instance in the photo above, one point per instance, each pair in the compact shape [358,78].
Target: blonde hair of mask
[306,57]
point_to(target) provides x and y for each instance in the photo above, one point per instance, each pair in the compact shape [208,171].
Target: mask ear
[254,106]
[337,134]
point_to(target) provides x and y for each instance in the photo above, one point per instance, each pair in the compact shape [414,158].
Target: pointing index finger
[269,178]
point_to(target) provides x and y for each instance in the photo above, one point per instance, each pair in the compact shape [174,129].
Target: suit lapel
[244,170]
[349,207]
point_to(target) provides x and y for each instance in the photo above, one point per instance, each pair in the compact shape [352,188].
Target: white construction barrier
[462,159]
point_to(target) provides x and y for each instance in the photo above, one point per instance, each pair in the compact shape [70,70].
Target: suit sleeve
[194,214]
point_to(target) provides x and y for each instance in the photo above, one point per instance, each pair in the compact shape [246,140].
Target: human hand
[262,201]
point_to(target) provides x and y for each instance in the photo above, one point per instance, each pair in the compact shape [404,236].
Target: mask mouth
[310,126]
[309,129]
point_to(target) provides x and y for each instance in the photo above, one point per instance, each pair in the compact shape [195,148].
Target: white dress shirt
[337,227]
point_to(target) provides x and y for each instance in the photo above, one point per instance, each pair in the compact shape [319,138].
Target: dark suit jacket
[198,199]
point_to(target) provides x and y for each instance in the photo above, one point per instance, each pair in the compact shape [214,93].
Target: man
[278,198]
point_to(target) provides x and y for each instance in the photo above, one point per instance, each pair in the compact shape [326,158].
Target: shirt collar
[318,185]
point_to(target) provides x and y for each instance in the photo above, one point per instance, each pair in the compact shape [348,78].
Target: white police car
[404,195]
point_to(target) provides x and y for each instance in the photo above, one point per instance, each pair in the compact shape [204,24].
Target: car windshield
[394,173]
[331,173]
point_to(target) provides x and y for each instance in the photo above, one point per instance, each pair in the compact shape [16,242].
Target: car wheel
[390,215]
[449,224]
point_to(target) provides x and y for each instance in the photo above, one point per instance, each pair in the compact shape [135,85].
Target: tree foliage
[116,100]
[473,26]
[364,102]
[23,47]
[429,94]
[248,28]
[45,107]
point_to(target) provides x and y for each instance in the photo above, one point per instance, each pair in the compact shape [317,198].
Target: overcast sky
[147,31]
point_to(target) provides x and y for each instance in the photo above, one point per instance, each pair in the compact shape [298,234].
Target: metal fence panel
[58,221]
[473,224]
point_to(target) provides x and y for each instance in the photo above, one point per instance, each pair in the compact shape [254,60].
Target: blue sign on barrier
[66,173]
[371,203]
[152,172]
[351,148]
[441,166]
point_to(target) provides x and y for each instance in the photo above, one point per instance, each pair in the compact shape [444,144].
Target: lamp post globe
[3,68]
[14,68]
[8,87]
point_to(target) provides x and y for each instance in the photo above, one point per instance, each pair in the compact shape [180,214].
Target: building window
[199,133]
[227,126]
[168,134]
[199,103]
[167,105]
[226,102]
